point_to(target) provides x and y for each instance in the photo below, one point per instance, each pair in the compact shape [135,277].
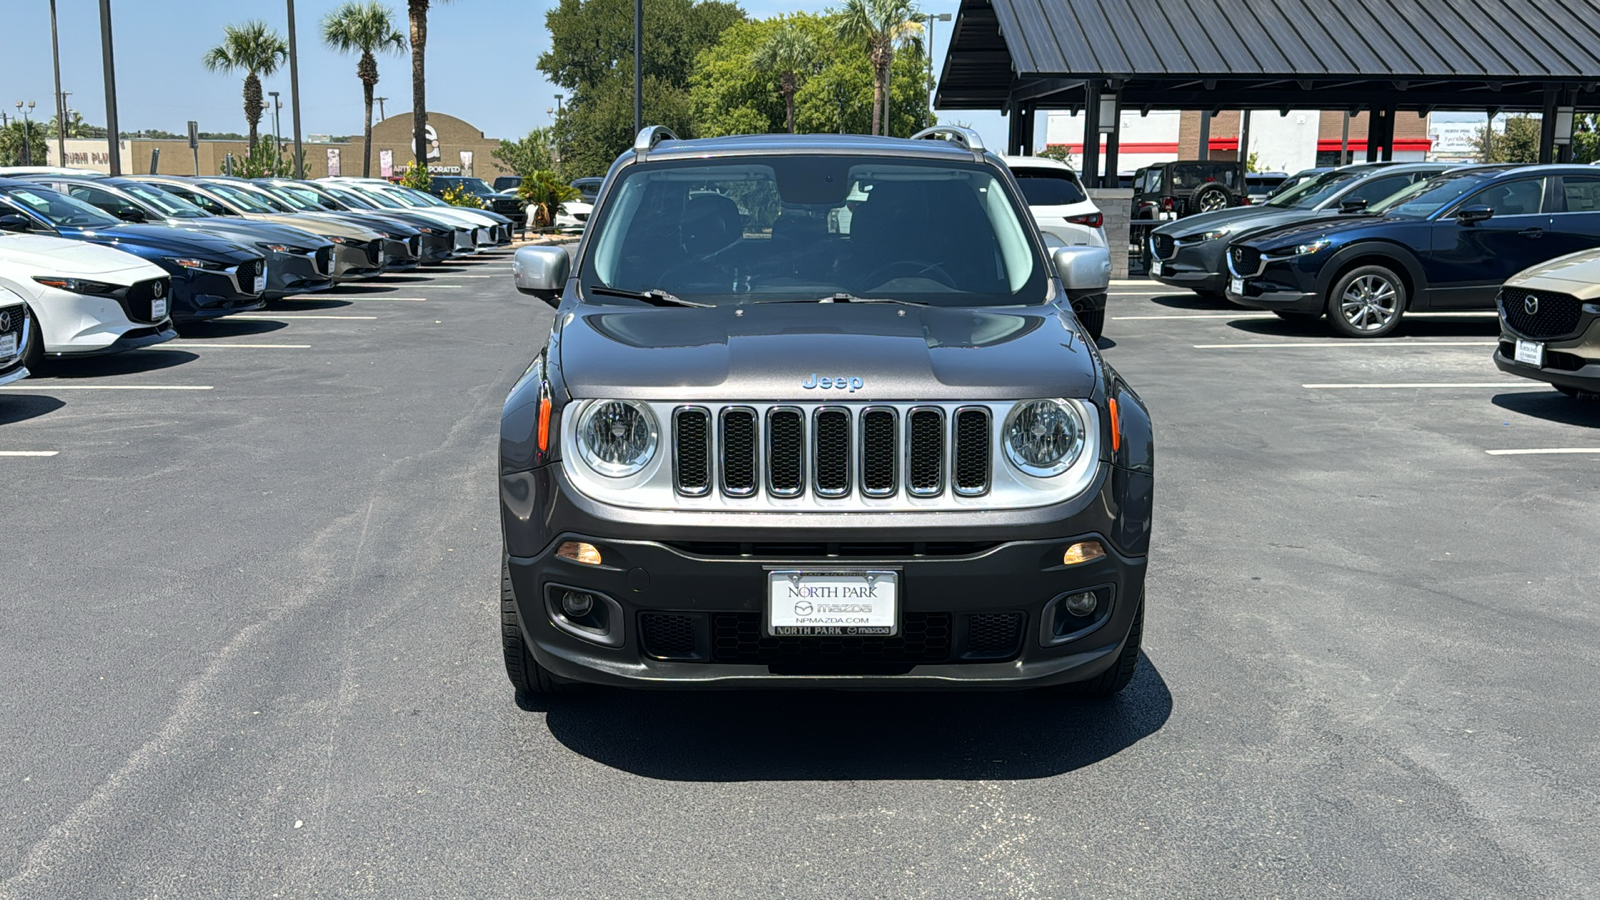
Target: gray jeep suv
[770,446]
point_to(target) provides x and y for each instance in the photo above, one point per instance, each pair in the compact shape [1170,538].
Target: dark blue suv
[1446,243]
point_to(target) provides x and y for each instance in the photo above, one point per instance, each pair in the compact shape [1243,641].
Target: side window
[1378,189]
[204,202]
[1513,198]
[1581,193]
[105,200]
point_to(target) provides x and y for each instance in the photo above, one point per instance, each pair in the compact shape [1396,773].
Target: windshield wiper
[654,297]
[843,297]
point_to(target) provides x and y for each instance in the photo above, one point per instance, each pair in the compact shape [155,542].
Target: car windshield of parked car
[1046,187]
[475,186]
[1308,194]
[376,196]
[288,198]
[169,204]
[409,198]
[352,199]
[59,209]
[241,199]
[313,197]
[1430,195]
[768,229]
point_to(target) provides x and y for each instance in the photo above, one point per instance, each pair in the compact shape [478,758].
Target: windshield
[1430,195]
[1311,192]
[805,228]
[59,209]
[288,198]
[169,204]
[238,198]
[307,194]
[413,197]
[352,199]
[378,197]
[476,185]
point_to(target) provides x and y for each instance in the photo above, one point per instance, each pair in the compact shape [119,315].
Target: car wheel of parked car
[1209,199]
[1094,321]
[1367,302]
[526,675]
[1110,682]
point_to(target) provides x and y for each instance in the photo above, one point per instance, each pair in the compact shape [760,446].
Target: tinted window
[1581,193]
[1428,197]
[168,203]
[1308,194]
[1043,187]
[1523,197]
[59,209]
[102,199]
[1374,190]
[1189,177]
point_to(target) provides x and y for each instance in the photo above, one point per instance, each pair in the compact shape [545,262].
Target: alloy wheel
[1369,303]
[1213,201]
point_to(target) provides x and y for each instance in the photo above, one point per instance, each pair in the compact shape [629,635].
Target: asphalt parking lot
[250,643]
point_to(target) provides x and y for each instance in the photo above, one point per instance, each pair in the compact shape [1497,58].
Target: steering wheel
[909,268]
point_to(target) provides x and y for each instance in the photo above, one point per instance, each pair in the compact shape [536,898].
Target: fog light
[1078,604]
[578,551]
[576,604]
[1082,552]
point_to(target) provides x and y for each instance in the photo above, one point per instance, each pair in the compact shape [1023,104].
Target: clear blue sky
[481,56]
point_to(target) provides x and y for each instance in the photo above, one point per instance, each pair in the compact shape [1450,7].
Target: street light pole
[294,96]
[638,66]
[27,133]
[380,100]
[61,103]
[277,123]
[108,64]
[930,18]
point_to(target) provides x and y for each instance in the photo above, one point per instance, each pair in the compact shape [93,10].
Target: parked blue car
[1446,243]
[211,276]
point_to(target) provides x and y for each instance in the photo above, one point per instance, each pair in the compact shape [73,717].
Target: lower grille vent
[668,635]
[993,635]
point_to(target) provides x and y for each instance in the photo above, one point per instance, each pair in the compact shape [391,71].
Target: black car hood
[881,352]
[1327,225]
[171,240]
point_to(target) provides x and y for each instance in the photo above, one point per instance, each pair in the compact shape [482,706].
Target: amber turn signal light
[588,554]
[1116,426]
[1081,552]
[544,429]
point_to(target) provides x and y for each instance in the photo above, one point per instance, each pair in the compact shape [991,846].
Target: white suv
[14,331]
[85,299]
[1059,203]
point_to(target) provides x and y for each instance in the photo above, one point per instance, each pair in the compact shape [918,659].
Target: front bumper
[129,340]
[1572,362]
[437,248]
[711,578]
[1286,285]
[1199,267]
[357,262]
[15,373]
[400,254]
[292,273]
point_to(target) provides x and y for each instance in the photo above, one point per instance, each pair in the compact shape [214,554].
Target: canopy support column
[1091,134]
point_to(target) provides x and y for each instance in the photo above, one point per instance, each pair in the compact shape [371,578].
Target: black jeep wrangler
[767,444]
[1172,190]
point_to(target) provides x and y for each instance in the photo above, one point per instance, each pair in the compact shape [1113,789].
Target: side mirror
[542,272]
[14,222]
[1472,215]
[1352,206]
[1083,270]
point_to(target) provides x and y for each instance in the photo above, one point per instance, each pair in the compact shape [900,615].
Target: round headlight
[1044,437]
[617,438]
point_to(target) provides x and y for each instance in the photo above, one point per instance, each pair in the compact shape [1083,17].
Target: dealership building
[455,147]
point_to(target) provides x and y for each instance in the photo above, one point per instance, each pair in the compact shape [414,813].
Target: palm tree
[369,28]
[788,53]
[881,25]
[256,50]
[417,10]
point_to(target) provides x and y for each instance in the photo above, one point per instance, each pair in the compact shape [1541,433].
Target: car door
[1467,262]
[1575,218]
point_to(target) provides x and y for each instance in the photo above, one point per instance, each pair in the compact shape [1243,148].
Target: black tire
[33,354]
[1294,315]
[1110,682]
[527,676]
[1362,298]
[1094,321]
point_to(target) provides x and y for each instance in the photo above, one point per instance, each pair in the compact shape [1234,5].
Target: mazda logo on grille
[5,321]
[160,289]
[1531,304]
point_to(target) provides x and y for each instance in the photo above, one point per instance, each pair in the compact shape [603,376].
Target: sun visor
[814,181]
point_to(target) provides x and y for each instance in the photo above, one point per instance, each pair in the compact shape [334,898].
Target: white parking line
[361,299]
[1540,452]
[29,452]
[298,316]
[1237,315]
[47,386]
[215,345]
[1343,344]
[1404,385]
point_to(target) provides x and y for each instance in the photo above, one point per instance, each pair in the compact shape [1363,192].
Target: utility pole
[27,133]
[638,66]
[109,65]
[380,100]
[294,97]
[61,102]
[277,123]
[930,18]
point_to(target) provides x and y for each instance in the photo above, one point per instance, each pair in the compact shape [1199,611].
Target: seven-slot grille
[1552,315]
[831,451]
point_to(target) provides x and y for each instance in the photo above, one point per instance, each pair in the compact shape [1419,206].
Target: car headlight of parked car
[1316,246]
[189,262]
[1044,437]
[618,438]
[78,285]
[342,240]
[287,248]
[1215,234]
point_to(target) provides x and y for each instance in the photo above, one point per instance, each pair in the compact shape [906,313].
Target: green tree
[417,13]
[17,135]
[545,192]
[367,28]
[533,153]
[1586,138]
[74,125]
[416,176]
[256,50]
[882,25]
[789,54]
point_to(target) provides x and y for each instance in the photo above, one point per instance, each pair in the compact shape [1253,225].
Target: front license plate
[261,280]
[1236,285]
[8,346]
[158,309]
[838,602]
[1155,267]
[1530,353]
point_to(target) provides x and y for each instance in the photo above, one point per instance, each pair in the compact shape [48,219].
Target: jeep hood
[883,352]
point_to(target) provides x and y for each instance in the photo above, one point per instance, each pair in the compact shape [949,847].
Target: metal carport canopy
[1274,54]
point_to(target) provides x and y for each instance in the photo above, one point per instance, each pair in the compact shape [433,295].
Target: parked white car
[15,330]
[1059,204]
[573,215]
[85,299]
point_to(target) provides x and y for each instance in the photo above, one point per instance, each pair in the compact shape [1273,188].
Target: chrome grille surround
[655,486]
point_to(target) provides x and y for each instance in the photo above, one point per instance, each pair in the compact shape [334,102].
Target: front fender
[1401,257]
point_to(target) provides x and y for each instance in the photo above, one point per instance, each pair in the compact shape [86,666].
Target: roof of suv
[835,144]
